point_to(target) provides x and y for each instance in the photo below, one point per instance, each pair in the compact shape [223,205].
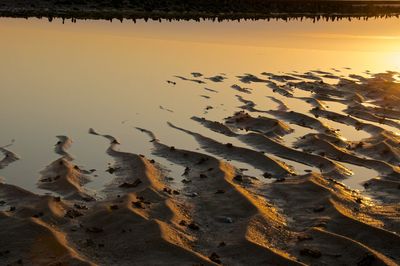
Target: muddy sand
[219,214]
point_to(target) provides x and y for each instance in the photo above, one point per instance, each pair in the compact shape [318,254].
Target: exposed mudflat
[309,177]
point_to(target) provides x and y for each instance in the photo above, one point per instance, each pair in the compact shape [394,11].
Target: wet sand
[300,209]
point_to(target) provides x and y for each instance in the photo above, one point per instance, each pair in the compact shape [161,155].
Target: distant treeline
[235,6]
[198,9]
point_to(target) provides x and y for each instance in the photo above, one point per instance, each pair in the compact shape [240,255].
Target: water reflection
[63,79]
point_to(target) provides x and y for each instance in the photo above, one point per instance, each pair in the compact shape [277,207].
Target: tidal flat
[199,143]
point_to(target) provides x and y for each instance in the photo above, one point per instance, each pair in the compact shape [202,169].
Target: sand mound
[214,213]
[9,157]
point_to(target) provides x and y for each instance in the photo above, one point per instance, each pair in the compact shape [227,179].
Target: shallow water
[62,79]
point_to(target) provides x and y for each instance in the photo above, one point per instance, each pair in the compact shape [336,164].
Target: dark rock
[94,230]
[80,207]
[186,172]
[202,160]
[222,244]
[319,209]
[87,199]
[215,258]
[191,194]
[304,237]
[167,190]
[203,176]
[136,183]
[46,180]
[238,178]
[193,226]
[138,204]
[72,214]
[57,199]
[40,214]
[114,207]
[267,175]
[310,253]
[141,198]
[111,170]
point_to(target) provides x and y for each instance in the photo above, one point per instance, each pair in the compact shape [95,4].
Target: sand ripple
[220,215]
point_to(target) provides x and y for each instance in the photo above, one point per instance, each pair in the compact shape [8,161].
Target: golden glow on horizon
[362,45]
[97,47]
[355,36]
[395,60]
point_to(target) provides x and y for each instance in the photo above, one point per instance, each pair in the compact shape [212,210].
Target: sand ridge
[220,214]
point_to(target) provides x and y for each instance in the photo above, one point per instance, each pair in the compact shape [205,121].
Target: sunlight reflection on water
[63,79]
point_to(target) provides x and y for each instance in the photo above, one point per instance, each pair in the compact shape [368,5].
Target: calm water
[62,79]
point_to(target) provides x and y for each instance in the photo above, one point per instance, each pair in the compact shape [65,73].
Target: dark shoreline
[279,10]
